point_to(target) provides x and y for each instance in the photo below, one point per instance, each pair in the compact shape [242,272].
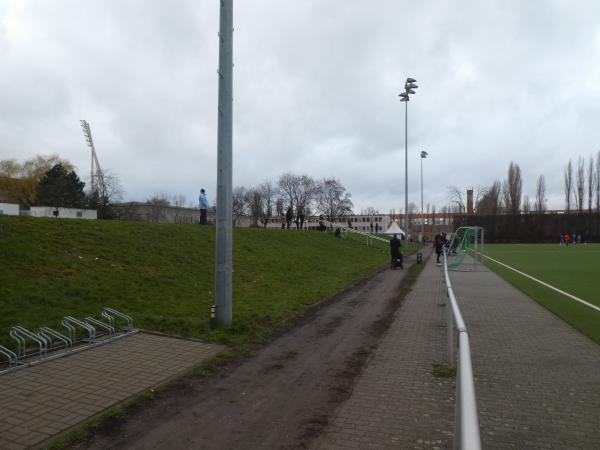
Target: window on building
[79,214]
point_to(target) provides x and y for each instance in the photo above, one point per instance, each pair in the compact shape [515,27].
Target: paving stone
[537,380]
[44,400]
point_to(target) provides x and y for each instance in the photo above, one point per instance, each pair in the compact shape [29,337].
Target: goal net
[466,249]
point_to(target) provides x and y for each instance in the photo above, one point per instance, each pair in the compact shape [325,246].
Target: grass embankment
[163,275]
[573,269]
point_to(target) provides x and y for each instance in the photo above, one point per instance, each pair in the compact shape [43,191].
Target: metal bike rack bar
[52,336]
[13,359]
[108,329]
[71,324]
[111,314]
[78,331]
[22,335]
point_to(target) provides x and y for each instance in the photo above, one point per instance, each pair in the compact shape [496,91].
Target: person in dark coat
[439,245]
[289,215]
[395,249]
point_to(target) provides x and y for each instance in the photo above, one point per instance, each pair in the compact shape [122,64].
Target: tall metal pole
[422,213]
[223,255]
[406,170]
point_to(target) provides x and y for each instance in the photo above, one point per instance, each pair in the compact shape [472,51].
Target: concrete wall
[63,213]
[9,209]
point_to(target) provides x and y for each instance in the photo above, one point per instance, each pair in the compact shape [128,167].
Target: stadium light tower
[223,254]
[409,89]
[98,174]
[423,156]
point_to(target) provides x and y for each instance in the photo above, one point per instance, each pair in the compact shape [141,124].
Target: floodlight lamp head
[411,80]
[411,86]
[410,91]
[424,154]
[403,94]
[404,99]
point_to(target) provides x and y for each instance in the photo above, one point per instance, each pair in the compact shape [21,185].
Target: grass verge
[573,269]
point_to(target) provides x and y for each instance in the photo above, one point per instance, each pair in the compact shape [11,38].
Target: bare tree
[526,204]
[158,207]
[239,205]
[267,191]
[179,201]
[255,202]
[298,191]
[568,185]
[455,197]
[332,199]
[512,189]
[580,183]
[369,211]
[597,177]
[540,195]
[488,201]
[591,184]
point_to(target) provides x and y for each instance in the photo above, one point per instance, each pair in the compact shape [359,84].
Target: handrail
[466,421]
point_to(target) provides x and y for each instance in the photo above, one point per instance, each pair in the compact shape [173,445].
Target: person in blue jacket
[203,207]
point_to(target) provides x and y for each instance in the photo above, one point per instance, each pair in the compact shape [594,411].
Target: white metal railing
[466,421]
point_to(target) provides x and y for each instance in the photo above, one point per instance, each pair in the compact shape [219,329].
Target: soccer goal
[466,249]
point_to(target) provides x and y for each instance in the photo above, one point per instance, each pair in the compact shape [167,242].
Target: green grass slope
[163,275]
[573,269]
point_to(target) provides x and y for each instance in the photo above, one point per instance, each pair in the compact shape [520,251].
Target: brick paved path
[44,400]
[398,402]
[538,379]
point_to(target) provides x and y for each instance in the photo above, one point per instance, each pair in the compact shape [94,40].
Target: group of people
[287,220]
[566,239]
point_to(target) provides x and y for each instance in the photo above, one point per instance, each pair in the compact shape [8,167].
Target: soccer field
[574,269]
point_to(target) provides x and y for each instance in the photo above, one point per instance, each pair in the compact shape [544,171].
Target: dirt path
[280,397]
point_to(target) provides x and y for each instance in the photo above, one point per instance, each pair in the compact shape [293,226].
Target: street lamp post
[409,88]
[423,156]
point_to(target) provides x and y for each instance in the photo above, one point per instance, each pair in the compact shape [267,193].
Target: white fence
[9,209]
[63,213]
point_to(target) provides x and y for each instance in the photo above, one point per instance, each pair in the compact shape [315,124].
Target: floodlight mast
[224,220]
[87,133]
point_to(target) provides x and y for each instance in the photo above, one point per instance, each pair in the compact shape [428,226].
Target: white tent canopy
[394,229]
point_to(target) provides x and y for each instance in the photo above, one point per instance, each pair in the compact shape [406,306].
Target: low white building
[62,213]
[9,209]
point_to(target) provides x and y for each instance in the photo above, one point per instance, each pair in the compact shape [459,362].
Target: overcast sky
[315,91]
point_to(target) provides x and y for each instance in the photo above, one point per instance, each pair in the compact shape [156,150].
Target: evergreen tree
[60,188]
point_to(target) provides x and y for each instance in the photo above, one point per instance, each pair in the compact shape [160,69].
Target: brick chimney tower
[470,201]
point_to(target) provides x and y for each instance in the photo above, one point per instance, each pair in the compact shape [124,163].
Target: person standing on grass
[562,240]
[289,215]
[203,207]
[567,239]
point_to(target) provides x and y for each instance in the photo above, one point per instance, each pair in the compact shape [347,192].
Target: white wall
[63,213]
[9,209]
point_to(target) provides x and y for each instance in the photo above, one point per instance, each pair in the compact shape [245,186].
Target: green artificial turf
[574,269]
[163,275]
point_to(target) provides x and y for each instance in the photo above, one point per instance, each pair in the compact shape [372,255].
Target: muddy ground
[280,397]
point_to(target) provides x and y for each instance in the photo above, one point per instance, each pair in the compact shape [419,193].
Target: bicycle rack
[52,336]
[22,336]
[12,356]
[110,314]
[72,324]
[32,348]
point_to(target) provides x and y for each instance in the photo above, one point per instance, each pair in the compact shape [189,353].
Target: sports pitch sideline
[574,269]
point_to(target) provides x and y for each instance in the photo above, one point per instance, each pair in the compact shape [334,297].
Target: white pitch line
[546,284]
